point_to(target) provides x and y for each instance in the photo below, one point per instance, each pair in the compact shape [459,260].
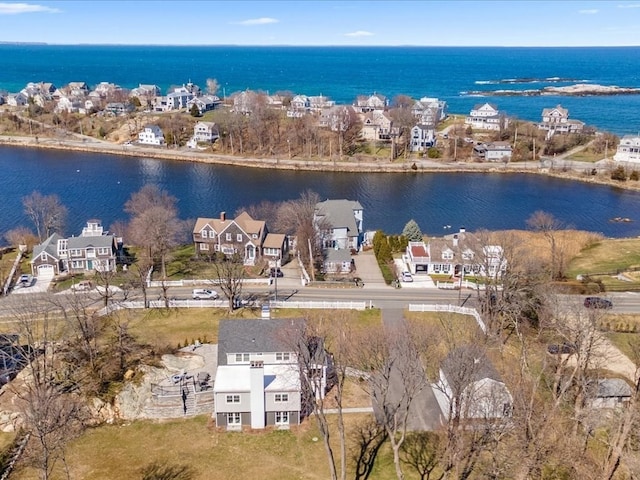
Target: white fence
[206,283]
[450,309]
[320,304]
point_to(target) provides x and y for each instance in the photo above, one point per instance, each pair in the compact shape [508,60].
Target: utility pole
[606,148]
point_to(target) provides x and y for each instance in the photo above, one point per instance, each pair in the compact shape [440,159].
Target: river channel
[97,186]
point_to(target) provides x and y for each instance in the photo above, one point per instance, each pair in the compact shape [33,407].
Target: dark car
[565,348]
[597,302]
[276,272]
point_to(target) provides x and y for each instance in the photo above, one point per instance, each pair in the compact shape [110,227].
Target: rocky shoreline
[577,90]
[569,170]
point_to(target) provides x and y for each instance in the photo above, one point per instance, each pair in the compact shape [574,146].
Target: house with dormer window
[556,120]
[94,250]
[486,116]
[242,235]
[260,381]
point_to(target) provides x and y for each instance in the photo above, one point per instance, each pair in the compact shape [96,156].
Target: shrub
[619,174]
[635,176]
[433,152]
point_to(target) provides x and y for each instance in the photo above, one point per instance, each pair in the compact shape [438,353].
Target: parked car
[25,280]
[276,272]
[204,294]
[83,286]
[597,302]
[565,348]
[406,277]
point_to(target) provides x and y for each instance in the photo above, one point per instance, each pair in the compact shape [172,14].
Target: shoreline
[564,169]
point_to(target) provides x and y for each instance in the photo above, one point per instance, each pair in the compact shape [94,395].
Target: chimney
[463,230]
[256,382]
[223,216]
[455,240]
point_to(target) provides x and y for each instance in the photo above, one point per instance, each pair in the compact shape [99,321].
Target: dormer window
[447,255]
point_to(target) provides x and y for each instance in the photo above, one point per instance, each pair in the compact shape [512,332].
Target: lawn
[607,255]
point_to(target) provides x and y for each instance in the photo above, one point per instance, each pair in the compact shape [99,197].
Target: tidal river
[97,186]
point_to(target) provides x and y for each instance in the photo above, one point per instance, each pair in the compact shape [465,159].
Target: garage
[46,271]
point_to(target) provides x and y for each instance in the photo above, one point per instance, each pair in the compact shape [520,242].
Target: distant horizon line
[82,44]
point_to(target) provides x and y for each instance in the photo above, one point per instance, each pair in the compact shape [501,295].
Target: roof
[610,387]
[91,241]
[341,255]
[274,240]
[50,245]
[248,224]
[339,214]
[418,249]
[244,221]
[562,111]
[478,106]
[237,378]
[467,364]
[255,336]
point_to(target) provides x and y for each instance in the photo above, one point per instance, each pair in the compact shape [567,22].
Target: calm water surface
[97,186]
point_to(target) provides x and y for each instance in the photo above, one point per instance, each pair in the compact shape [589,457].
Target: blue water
[345,72]
[97,186]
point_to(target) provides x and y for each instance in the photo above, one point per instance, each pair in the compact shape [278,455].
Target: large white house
[628,149]
[260,380]
[423,137]
[486,116]
[151,135]
[556,120]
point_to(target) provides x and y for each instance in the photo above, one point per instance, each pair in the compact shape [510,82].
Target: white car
[204,294]
[406,277]
[25,280]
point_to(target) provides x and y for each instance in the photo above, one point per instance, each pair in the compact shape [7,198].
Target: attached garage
[46,271]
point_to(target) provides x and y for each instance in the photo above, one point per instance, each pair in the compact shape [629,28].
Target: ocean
[342,73]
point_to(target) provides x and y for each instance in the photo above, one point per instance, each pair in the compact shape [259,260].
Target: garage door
[46,271]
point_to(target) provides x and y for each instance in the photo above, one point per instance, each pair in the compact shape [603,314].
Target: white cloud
[359,33]
[258,21]
[591,11]
[629,5]
[16,8]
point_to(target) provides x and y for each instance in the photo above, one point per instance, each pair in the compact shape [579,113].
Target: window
[282,397]
[233,418]
[242,357]
[282,418]
[228,237]
[76,252]
[204,246]
[280,356]
[103,251]
[447,255]
[239,237]
[255,235]
[77,264]
[233,398]
[204,233]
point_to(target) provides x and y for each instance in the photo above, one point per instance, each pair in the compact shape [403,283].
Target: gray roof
[339,214]
[468,364]
[256,336]
[341,255]
[96,241]
[610,387]
[50,245]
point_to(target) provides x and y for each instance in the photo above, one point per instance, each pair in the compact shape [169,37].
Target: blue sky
[424,23]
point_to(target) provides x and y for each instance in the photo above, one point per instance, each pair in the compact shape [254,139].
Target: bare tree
[46,212]
[154,224]
[212,86]
[229,275]
[549,227]
[422,451]
[21,236]
[368,438]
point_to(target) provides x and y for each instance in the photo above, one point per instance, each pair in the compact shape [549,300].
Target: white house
[260,381]
[179,98]
[628,149]
[556,120]
[423,137]
[470,388]
[369,103]
[486,116]
[151,135]
[17,99]
[206,132]
[339,223]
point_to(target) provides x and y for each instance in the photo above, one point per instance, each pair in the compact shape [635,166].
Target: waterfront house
[338,118]
[70,104]
[339,224]
[457,254]
[556,120]
[204,103]
[364,103]
[145,93]
[486,116]
[377,125]
[628,149]
[423,137]
[151,135]
[275,247]
[429,110]
[206,132]
[267,373]
[247,101]
[493,151]
[320,102]
[78,89]
[105,89]
[94,250]
[470,388]
[178,99]
[17,99]
[242,235]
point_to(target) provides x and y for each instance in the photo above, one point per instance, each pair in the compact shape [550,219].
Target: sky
[389,23]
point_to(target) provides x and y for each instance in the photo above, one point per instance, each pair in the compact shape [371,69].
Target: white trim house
[151,135]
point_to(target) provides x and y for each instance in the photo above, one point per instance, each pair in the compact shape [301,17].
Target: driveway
[40,284]
[368,270]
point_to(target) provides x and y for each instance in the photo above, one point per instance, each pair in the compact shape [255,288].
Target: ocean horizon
[343,73]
